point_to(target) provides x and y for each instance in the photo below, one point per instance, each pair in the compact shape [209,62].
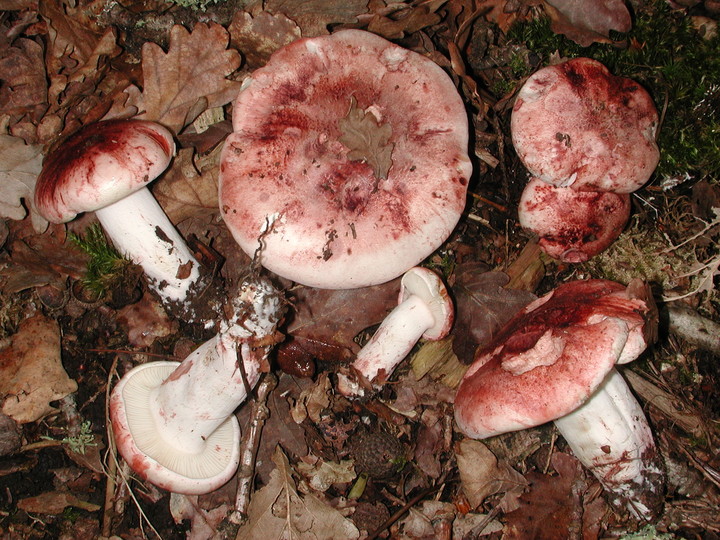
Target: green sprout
[106,267]
[679,68]
[79,442]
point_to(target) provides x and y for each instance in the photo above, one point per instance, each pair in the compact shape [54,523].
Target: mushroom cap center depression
[349,206]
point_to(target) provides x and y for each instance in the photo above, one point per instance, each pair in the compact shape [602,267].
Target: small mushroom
[174,423]
[349,159]
[576,125]
[572,225]
[554,361]
[105,167]
[424,310]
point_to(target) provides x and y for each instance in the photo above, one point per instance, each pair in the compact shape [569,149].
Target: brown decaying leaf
[325,322]
[54,502]
[554,507]
[195,68]
[189,189]
[367,139]
[278,511]
[483,306]
[24,88]
[31,372]
[588,21]
[146,321]
[20,165]
[482,475]
[257,37]
[314,17]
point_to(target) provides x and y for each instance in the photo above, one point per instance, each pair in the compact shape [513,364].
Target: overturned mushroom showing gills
[424,310]
[174,423]
[554,361]
[572,225]
[576,125]
[349,158]
[105,167]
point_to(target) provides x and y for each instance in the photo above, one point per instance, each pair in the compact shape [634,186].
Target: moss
[105,267]
[679,68]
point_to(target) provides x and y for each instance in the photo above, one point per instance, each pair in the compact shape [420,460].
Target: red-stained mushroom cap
[572,225]
[101,164]
[554,361]
[575,124]
[352,151]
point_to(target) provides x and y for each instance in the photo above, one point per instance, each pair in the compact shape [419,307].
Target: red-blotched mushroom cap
[575,124]
[100,164]
[551,357]
[572,225]
[334,221]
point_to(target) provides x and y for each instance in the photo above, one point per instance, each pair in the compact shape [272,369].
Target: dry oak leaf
[588,21]
[315,16]
[189,78]
[20,165]
[31,373]
[24,87]
[54,503]
[190,188]
[259,36]
[278,510]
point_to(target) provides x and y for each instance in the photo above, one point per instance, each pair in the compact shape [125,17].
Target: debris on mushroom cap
[575,124]
[351,152]
[100,164]
[551,356]
[572,225]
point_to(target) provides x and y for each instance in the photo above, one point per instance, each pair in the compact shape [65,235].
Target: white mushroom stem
[425,310]
[141,231]
[610,436]
[169,418]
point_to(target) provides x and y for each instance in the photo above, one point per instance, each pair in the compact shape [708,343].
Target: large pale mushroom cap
[577,125]
[348,203]
[99,165]
[552,356]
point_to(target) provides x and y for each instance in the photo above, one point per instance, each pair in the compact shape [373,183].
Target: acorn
[377,453]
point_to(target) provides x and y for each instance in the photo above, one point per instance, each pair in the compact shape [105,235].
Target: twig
[705,229]
[249,447]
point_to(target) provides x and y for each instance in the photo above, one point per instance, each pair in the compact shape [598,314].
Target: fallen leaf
[483,306]
[20,165]
[552,508]
[314,17]
[31,372]
[259,36]
[588,21]
[54,503]
[482,475]
[24,88]
[194,71]
[189,189]
[312,401]
[367,139]
[278,511]
[146,321]
[324,474]
[203,523]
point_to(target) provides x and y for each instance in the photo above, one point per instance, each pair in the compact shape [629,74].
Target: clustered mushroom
[348,158]
[424,310]
[174,423]
[104,167]
[587,138]
[554,361]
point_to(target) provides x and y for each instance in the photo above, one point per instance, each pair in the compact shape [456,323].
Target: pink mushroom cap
[100,164]
[572,225]
[334,220]
[577,125]
[551,357]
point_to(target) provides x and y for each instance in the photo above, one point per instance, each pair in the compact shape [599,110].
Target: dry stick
[250,443]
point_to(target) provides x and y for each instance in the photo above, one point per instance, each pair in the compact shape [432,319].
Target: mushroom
[572,225]
[104,167]
[173,422]
[576,125]
[424,310]
[349,158]
[554,361]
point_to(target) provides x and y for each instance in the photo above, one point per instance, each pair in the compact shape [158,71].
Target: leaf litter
[67,64]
